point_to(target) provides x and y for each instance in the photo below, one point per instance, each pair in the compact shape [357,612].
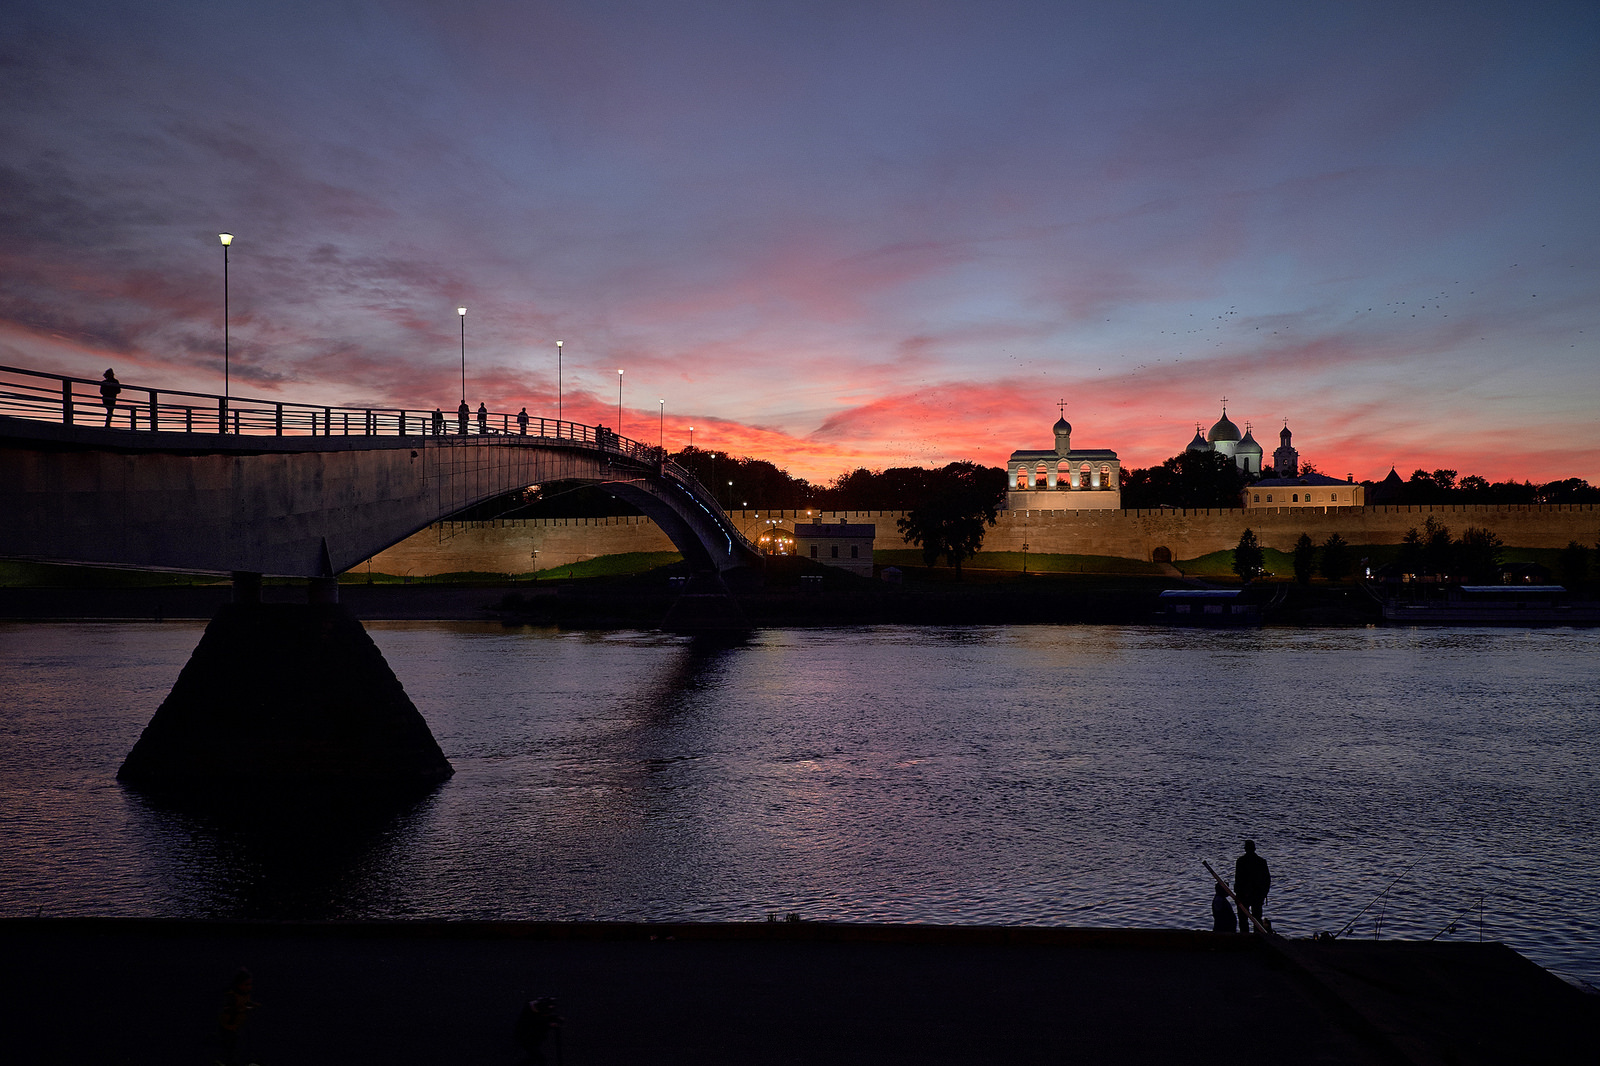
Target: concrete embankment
[150,992]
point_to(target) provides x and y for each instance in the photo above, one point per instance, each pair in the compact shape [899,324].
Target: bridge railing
[71,401]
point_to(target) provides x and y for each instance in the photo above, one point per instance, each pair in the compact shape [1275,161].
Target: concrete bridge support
[282,700]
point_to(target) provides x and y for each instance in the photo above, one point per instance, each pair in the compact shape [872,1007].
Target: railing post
[277,420]
[222,415]
[155,405]
[327,421]
[188,419]
[369,422]
[402,423]
[66,401]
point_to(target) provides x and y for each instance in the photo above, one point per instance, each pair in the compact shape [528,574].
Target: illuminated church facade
[1064,478]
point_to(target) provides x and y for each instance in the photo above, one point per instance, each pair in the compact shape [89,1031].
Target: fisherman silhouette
[537,1020]
[1251,882]
[1222,912]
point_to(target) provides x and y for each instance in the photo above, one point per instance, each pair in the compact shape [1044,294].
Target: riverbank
[149,991]
[924,597]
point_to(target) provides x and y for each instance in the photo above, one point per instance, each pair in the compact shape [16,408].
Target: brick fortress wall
[507,546]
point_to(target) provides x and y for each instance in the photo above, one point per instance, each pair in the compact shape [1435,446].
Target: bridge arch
[309,506]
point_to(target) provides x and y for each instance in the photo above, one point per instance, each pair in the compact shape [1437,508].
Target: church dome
[1248,445]
[1199,443]
[1062,426]
[1224,430]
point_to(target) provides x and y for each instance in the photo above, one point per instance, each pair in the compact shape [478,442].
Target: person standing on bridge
[109,388]
[438,422]
[483,419]
[462,414]
[522,422]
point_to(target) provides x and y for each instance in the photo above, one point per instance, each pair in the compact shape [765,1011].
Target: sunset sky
[833,234]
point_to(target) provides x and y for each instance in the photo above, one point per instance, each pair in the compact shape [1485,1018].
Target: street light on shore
[462,313]
[227,240]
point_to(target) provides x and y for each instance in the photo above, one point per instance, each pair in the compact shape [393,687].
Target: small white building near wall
[847,545]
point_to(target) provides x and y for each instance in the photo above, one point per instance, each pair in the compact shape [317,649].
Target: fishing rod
[1375,899]
[1450,926]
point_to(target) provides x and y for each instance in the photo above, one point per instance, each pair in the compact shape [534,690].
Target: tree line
[1210,479]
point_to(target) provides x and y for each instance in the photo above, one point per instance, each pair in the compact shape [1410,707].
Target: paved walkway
[104,991]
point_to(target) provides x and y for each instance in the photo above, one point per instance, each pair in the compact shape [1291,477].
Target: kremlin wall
[507,546]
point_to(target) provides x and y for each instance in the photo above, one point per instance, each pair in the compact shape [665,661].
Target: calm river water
[1071,775]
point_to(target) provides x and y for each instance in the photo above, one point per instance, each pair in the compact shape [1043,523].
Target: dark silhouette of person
[237,1004]
[522,422]
[109,388]
[438,422]
[1222,912]
[483,419]
[535,1023]
[1251,881]
[462,414]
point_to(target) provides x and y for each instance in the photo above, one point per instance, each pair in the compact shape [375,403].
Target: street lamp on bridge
[661,426]
[461,312]
[558,381]
[227,239]
[619,403]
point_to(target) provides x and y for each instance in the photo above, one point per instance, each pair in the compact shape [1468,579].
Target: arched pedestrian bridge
[166,479]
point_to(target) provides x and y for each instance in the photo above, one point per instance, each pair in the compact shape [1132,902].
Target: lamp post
[461,312]
[691,438]
[558,381]
[227,239]
[619,403]
[661,425]
[1024,557]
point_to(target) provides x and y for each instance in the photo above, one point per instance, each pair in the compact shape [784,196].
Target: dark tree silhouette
[1574,565]
[963,499]
[1478,556]
[1335,558]
[1189,479]
[1305,559]
[1247,556]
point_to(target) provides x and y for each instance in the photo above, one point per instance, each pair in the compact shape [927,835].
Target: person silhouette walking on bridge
[1251,882]
[462,414]
[438,422]
[483,419]
[109,388]
[522,422]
